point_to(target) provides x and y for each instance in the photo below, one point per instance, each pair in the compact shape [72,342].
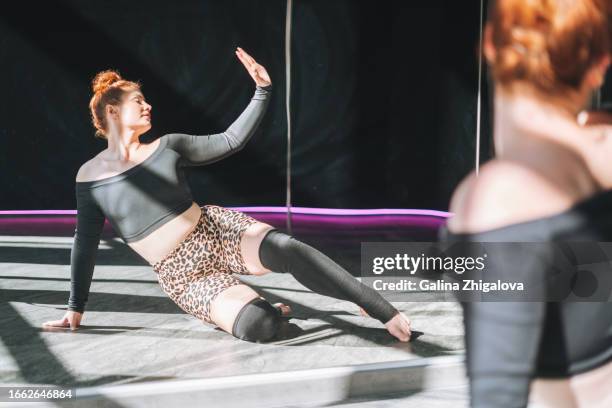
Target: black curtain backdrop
[383,95]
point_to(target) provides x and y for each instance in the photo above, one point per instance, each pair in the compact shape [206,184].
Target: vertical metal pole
[287,106]
[479,101]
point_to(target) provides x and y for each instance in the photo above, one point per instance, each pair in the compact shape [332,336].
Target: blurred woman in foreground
[550,180]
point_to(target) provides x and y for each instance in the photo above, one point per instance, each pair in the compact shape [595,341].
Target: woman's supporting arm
[90,222]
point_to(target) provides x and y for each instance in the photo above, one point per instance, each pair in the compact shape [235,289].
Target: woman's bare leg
[227,304]
[251,239]
[592,388]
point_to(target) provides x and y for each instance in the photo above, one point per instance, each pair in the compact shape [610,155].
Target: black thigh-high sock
[280,252]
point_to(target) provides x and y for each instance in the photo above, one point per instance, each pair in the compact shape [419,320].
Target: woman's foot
[283,308]
[399,327]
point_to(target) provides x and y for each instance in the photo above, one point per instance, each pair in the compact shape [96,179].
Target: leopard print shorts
[204,264]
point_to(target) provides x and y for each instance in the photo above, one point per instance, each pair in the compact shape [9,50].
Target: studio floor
[132,332]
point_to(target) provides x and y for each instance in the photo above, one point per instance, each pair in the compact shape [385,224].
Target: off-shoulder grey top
[510,343]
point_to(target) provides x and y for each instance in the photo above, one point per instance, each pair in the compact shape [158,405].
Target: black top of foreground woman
[150,194]
[509,343]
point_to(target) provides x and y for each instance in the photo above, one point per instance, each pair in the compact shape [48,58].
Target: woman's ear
[488,48]
[604,65]
[596,74]
[111,110]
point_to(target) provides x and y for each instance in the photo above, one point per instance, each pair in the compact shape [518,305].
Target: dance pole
[287,107]
[479,101]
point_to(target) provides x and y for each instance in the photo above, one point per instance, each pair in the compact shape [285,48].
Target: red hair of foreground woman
[551,45]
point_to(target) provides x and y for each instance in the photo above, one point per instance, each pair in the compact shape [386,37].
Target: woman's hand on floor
[71,319]
[257,72]
[399,327]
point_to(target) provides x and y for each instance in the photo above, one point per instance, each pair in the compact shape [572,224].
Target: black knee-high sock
[280,252]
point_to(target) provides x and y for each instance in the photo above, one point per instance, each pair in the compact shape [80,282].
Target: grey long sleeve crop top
[510,343]
[150,194]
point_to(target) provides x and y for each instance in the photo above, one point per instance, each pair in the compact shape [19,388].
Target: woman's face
[135,113]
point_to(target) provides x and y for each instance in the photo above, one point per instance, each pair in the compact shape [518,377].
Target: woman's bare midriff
[155,246]
[589,389]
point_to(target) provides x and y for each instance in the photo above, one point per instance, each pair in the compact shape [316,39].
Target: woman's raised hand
[71,319]
[257,72]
